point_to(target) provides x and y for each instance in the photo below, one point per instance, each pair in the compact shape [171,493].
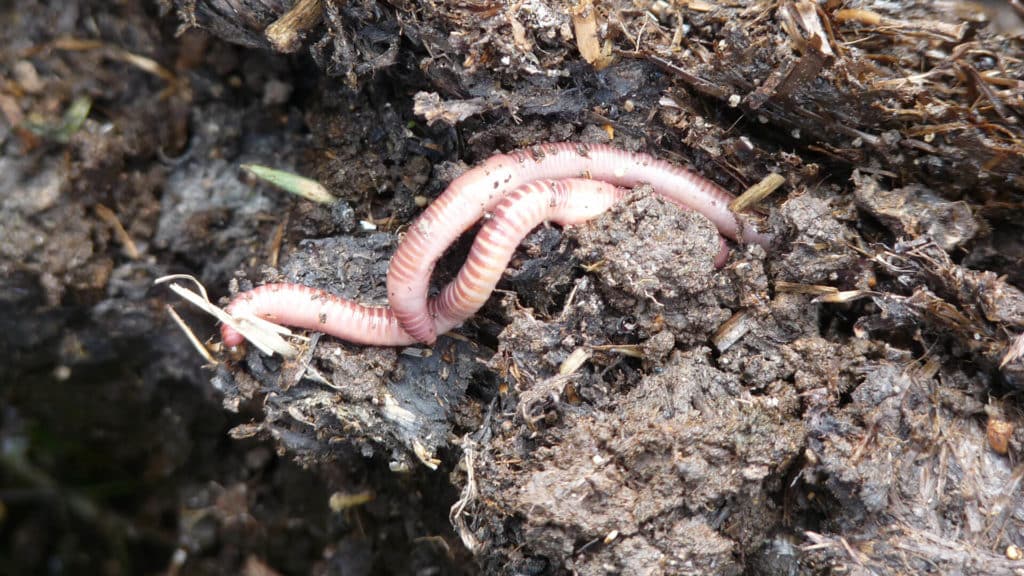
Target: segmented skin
[565,183]
[470,196]
[566,202]
[299,306]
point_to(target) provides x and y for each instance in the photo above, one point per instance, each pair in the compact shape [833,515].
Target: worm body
[480,189]
[314,309]
[568,201]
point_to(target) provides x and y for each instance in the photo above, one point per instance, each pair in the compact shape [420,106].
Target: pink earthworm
[479,190]
[568,201]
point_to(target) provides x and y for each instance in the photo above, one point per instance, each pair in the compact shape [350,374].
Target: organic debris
[844,401]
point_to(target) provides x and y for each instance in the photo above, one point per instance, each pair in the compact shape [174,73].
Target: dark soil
[845,401]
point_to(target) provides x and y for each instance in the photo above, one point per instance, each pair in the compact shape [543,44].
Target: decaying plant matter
[861,352]
[848,402]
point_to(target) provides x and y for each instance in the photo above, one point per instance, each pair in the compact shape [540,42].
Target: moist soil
[844,401]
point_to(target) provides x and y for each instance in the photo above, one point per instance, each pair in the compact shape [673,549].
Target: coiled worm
[565,183]
[478,190]
[566,202]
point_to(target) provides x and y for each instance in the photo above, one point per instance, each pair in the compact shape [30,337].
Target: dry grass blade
[1015,351]
[424,455]
[803,24]
[147,65]
[108,216]
[757,192]
[264,335]
[586,26]
[575,360]
[341,501]
[812,289]
[732,330]
[844,296]
[286,33]
[631,350]
[300,186]
[192,338]
[882,24]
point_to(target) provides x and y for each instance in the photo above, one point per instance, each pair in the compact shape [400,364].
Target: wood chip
[586,26]
[757,192]
[732,330]
[430,106]
[286,34]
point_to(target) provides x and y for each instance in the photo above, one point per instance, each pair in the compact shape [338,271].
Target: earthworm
[480,189]
[566,202]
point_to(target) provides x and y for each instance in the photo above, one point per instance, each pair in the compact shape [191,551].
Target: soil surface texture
[843,401]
